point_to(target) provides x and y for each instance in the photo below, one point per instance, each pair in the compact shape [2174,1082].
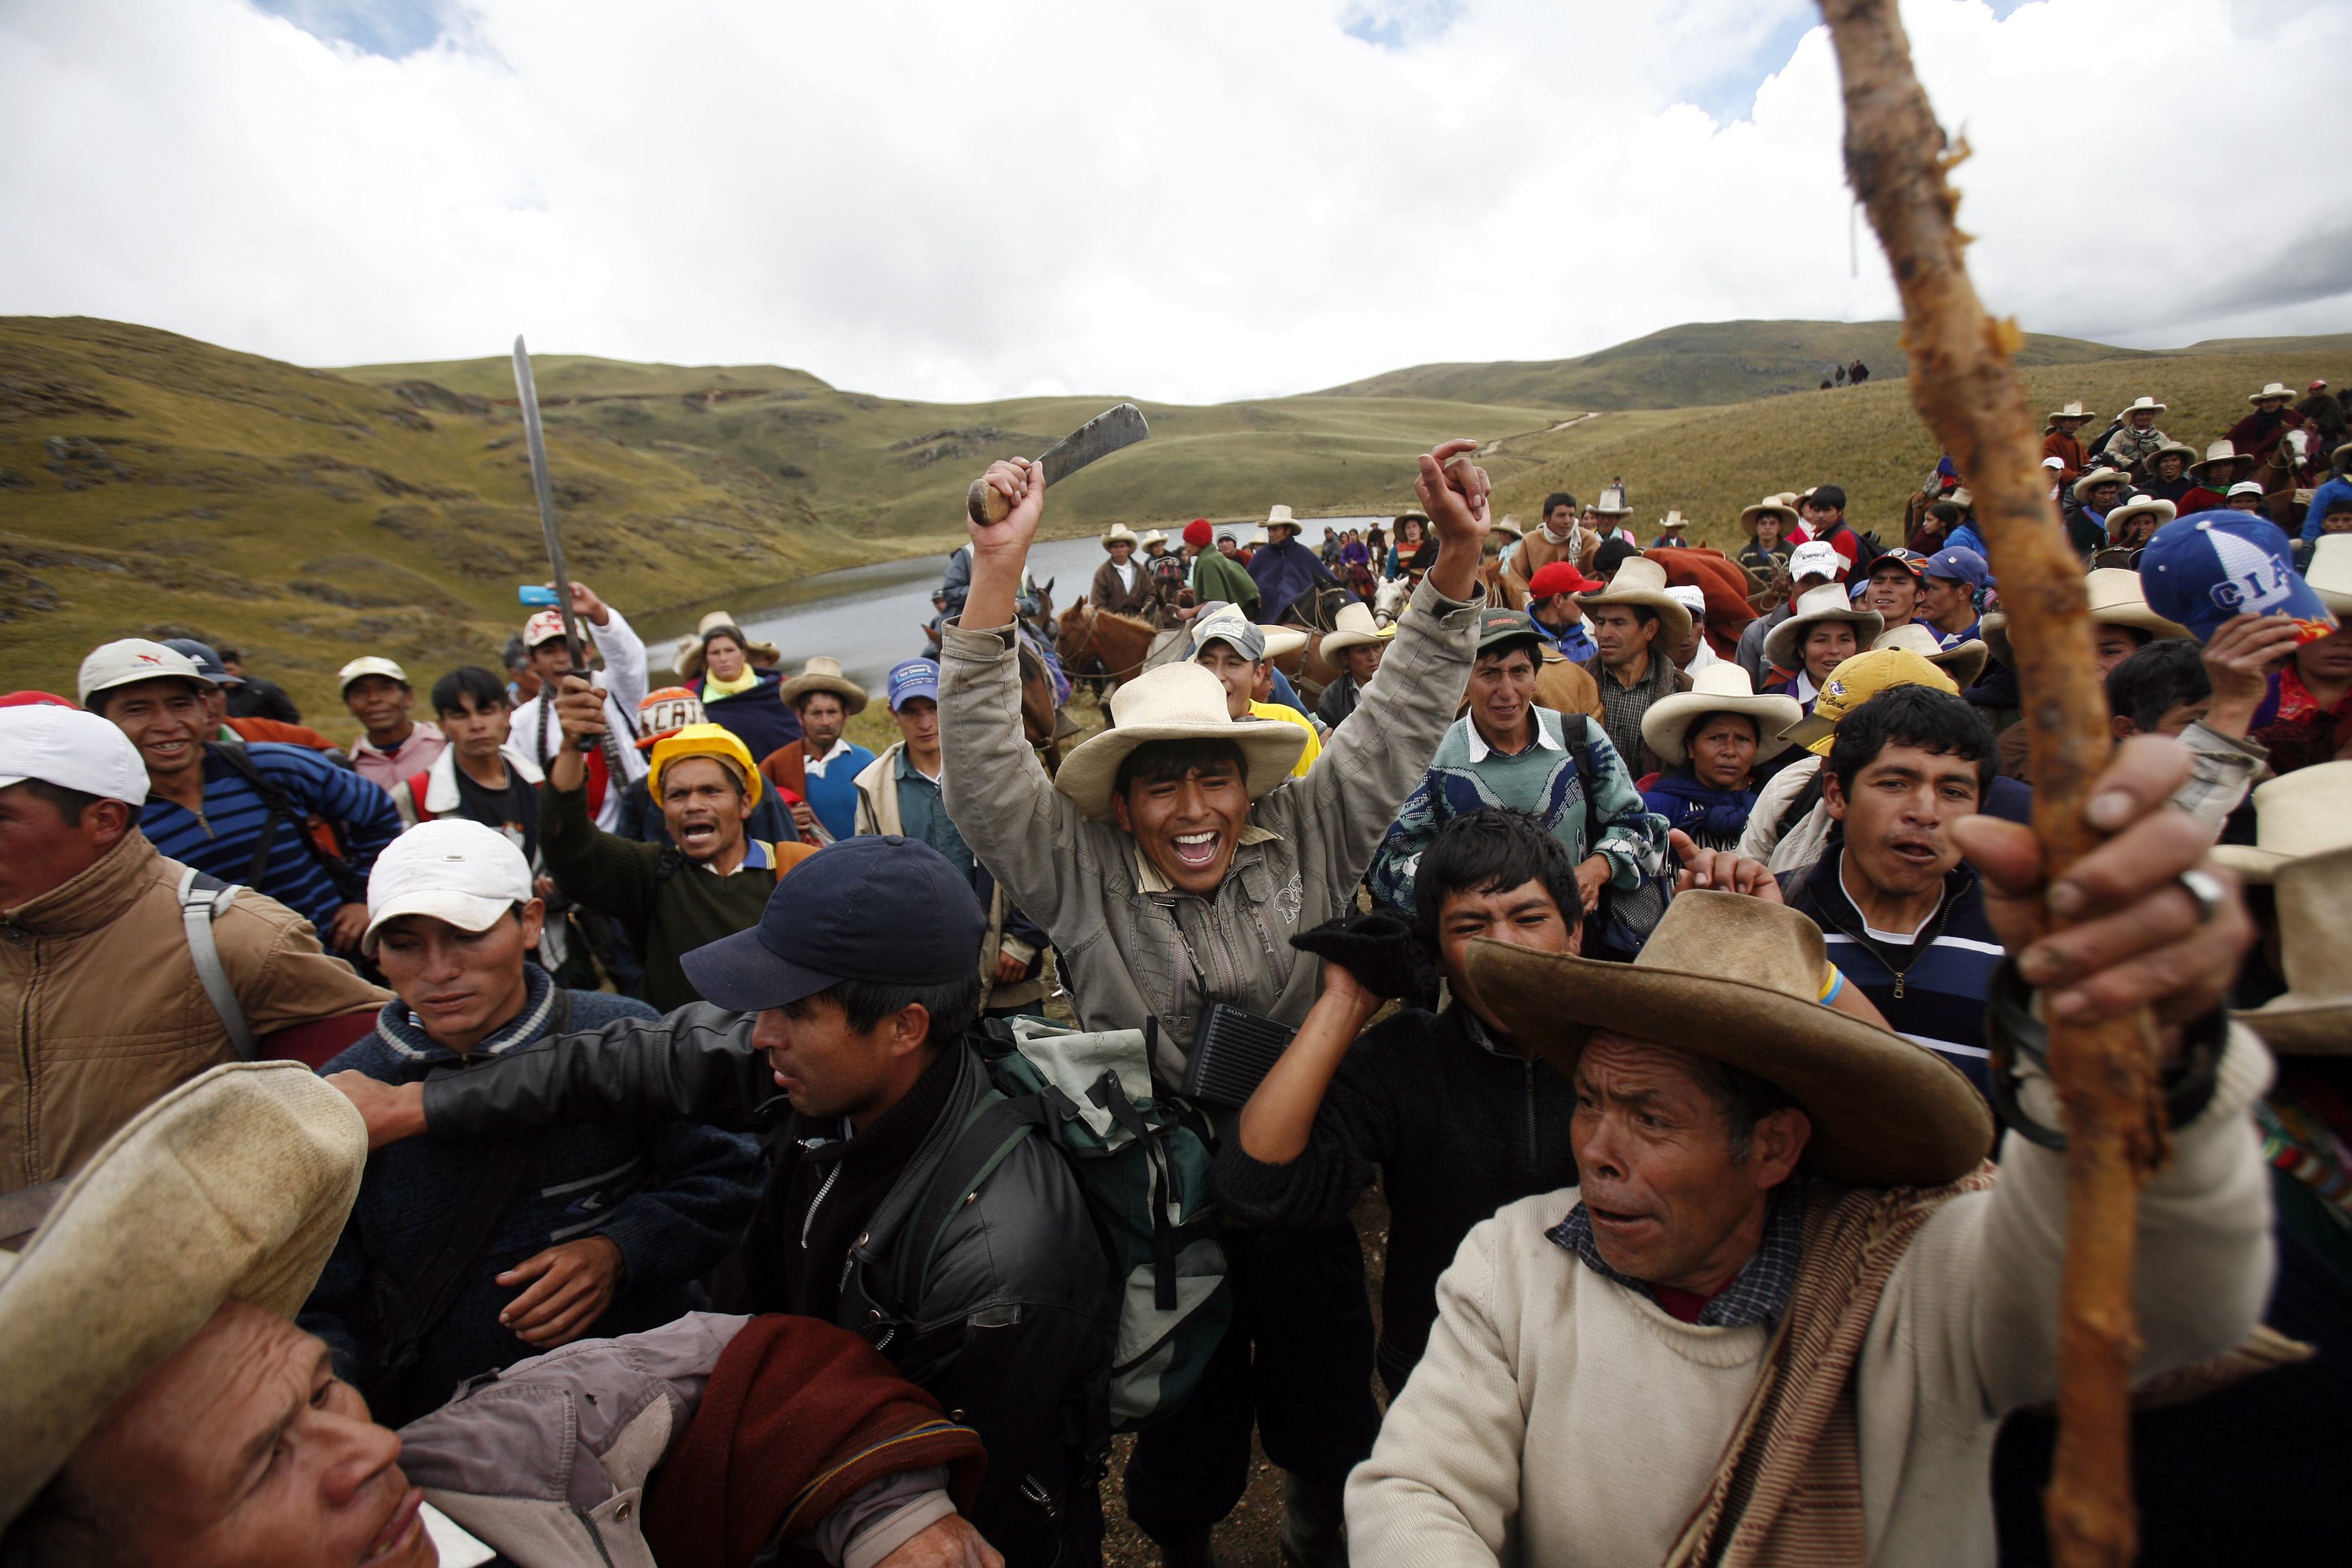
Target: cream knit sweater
[1562,1419]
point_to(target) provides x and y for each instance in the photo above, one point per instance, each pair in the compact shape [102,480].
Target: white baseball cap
[1691,598]
[131,660]
[72,750]
[541,627]
[371,665]
[2246,487]
[451,869]
[1816,558]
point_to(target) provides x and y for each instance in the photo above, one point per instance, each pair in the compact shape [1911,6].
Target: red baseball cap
[33,699]
[1559,577]
[1197,533]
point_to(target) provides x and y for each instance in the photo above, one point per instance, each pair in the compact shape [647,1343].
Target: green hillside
[566,376]
[151,484]
[1711,462]
[1703,362]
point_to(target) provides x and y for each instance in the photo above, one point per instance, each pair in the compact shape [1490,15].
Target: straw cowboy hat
[1778,505]
[688,660]
[1721,687]
[2217,454]
[2102,475]
[2141,405]
[2314,1016]
[1784,644]
[1735,980]
[1962,497]
[2306,812]
[2274,389]
[1353,627]
[1508,524]
[1962,661]
[1154,537]
[2187,452]
[2146,506]
[823,674]
[232,1188]
[1641,580]
[1174,703]
[2117,599]
[1120,533]
[1279,516]
[1260,536]
[1281,640]
[1674,519]
[1612,500]
[2330,573]
[2071,411]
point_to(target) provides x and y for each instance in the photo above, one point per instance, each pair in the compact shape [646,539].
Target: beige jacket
[100,1009]
[877,812]
[1561,1418]
[1129,946]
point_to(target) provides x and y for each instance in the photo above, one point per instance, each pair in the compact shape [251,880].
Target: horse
[1103,648]
[1043,723]
[1390,599]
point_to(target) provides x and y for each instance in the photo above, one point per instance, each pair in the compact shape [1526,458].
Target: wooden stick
[1967,389]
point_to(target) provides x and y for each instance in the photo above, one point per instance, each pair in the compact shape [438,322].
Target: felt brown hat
[823,674]
[2314,1016]
[1733,978]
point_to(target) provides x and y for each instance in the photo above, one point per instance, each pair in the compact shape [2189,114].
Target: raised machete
[1100,436]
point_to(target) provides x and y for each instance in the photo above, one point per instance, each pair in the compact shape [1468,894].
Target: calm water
[870,617]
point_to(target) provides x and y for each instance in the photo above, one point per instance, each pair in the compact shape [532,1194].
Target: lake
[871,617]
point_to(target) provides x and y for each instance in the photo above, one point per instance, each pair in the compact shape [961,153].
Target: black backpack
[351,885]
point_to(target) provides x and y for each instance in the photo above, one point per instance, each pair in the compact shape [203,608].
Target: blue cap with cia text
[2210,567]
[877,907]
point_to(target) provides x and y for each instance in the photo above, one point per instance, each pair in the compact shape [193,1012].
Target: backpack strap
[988,1135]
[348,885]
[419,785]
[202,897]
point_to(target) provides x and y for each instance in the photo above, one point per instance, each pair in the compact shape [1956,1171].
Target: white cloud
[1198,202]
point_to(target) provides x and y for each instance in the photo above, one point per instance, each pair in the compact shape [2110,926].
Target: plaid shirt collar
[1757,1294]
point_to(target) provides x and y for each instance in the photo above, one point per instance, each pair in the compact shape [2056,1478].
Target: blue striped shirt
[222,839]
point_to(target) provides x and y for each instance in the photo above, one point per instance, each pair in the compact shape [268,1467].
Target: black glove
[1382,952]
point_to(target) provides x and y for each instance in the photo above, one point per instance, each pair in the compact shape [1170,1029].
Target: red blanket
[798,1415]
[1725,585]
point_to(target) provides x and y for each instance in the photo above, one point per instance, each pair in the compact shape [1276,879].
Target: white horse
[1389,600]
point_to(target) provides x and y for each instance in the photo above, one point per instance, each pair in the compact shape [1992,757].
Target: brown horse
[1103,648]
[1041,719]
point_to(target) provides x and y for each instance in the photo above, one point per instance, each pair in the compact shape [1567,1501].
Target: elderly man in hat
[1782,1315]
[1636,622]
[710,881]
[391,745]
[1284,569]
[126,972]
[1122,584]
[819,772]
[1170,858]
[623,680]
[162,1409]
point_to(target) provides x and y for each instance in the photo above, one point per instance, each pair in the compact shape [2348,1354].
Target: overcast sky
[1188,202]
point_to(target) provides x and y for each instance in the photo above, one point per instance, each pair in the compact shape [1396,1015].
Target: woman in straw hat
[2129,527]
[733,676]
[1711,739]
[1121,585]
[1827,629]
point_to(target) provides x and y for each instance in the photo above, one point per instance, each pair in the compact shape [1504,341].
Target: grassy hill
[564,377]
[151,484]
[1711,462]
[1700,362]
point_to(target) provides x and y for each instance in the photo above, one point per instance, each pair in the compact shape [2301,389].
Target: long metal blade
[1098,437]
[527,389]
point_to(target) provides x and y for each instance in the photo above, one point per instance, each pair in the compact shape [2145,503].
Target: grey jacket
[547,1461]
[1131,946]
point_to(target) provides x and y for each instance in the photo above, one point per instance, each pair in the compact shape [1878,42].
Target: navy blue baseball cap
[913,677]
[2210,567]
[1961,565]
[877,907]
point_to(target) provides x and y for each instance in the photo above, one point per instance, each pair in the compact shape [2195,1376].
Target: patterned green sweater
[1542,780]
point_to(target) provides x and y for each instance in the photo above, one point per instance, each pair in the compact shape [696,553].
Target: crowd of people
[598,1123]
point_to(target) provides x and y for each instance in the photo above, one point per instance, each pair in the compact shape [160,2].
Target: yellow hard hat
[705,740]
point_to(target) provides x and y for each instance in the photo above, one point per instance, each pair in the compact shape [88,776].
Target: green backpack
[1141,1159]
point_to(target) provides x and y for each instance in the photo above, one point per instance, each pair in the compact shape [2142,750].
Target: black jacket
[1010,1336]
[1458,1129]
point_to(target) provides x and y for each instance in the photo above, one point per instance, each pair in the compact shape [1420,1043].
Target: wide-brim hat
[1282,641]
[2274,389]
[2342,455]
[1354,627]
[2117,598]
[1174,703]
[823,674]
[2188,454]
[2217,454]
[1280,517]
[1720,687]
[1964,662]
[689,661]
[2330,572]
[2314,1016]
[2094,478]
[1154,537]
[1674,519]
[2141,405]
[2071,411]
[1507,525]
[1259,536]
[1735,980]
[1611,502]
[1784,645]
[233,1187]
[1641,580]
[1773,504]
[2298,814]
[2146,506]
[1120,533]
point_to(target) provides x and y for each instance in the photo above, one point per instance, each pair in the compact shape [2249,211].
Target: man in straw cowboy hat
[710,881]
[2058,439]
[163,1408]
[1635,622]
[1507,749]
[2085,506]
[2222,466]
[1354,646]
[1767,526]
[1284,568]
[1170,858]
[2133,439]
[1122,586]
[827,762]
[2259,433]
[1782,1315]
[1711,739]
[2169,478]
[1674,530]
